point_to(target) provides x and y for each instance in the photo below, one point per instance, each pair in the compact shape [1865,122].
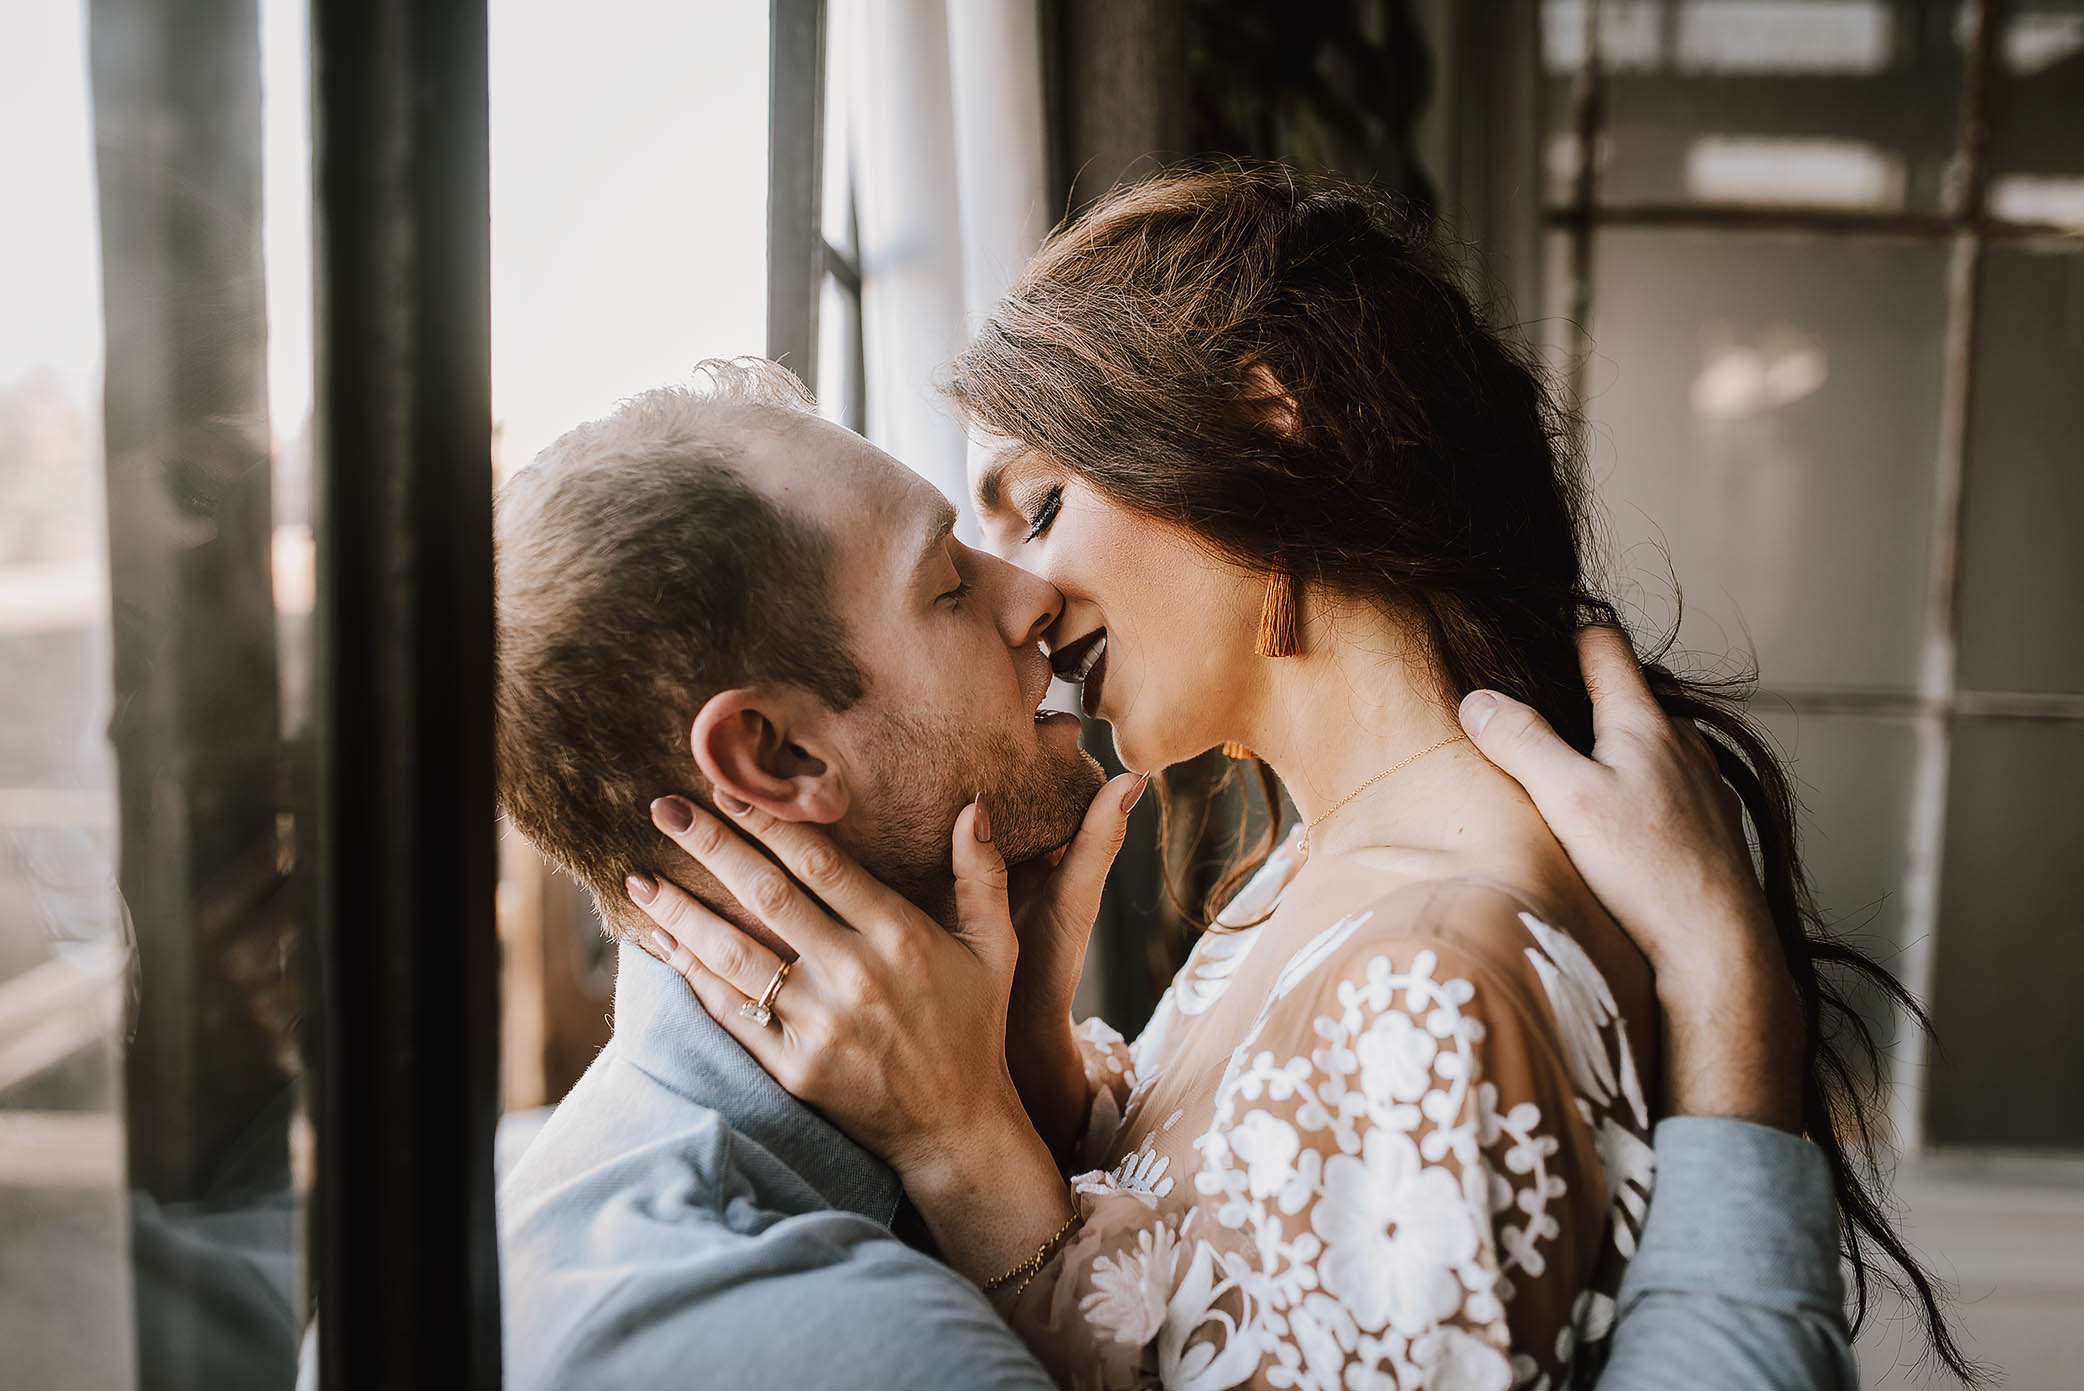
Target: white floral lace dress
[1411,1151]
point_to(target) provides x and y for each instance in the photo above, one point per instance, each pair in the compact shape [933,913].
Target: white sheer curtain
[950,160]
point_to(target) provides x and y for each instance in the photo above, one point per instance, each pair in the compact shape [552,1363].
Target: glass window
[2022,569]
[155,587]
[617,262]
[2009,968]
[1763,412]
[1842,104]
[1855,777]
[66,1318]
[2036,111]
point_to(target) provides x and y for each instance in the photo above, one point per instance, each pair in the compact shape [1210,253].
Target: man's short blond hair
[638,574]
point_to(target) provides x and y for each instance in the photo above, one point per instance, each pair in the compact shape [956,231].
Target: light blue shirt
[683,1221]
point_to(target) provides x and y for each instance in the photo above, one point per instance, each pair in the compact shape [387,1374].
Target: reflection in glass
[1763,413]
[65,1319]
[149,1111]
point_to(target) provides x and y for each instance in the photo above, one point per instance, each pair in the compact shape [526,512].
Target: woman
[1389,1125]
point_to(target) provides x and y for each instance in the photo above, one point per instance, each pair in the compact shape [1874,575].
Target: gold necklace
[1302,846]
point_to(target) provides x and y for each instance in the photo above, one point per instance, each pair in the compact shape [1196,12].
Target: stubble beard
[926,773]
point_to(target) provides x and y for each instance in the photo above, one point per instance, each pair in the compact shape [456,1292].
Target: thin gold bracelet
[1032,1266]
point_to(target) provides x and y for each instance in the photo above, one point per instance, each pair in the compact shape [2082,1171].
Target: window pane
[1819,103]
[2036,146]
[629,204]
[1853,777]
[2022,568]
[1764,409]
[65,1319]
[154,586]
[2010,964]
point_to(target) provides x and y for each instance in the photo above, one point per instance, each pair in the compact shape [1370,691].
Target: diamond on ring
[757,1012]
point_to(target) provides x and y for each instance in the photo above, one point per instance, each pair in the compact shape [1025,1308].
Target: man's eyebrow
[943,527]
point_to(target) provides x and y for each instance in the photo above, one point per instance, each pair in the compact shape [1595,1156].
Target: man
[718,569]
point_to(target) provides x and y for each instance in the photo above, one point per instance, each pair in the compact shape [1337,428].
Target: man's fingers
[688,933]
[983,918]
[761,886]
[1519,740]
[1620,696]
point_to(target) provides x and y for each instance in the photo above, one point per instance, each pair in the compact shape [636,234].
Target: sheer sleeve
[1403,1182]
[1110,1078]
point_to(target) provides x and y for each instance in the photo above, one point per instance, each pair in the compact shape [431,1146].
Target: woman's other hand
[888,1023]
[1659,837]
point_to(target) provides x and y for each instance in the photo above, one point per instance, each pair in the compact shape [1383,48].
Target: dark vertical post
[177,123]
[795,127]
[1123,69]
[404,1259]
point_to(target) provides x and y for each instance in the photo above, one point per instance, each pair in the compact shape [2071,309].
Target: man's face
[948,637]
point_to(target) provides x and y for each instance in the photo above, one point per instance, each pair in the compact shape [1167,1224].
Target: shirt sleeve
[1737,1278]
[1395,1188]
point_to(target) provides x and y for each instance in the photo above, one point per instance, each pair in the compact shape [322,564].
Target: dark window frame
[801,261]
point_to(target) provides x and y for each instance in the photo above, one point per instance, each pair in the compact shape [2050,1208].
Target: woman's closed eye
[1052,503]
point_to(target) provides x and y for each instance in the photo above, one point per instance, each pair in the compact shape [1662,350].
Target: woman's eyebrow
[991,482]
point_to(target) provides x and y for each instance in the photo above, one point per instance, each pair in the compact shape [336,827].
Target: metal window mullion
[1938,670]
[795,138]
[1588,117]
[857,340]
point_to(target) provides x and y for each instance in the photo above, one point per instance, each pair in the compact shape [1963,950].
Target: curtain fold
[951,168]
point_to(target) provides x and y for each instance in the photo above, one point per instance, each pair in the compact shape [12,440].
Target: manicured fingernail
[982,825]
[732,804]
[1135,794]
[1477,709]
[663,940]
[672,814]
[643,888]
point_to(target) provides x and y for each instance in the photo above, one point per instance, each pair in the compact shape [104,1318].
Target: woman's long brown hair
[1421,463]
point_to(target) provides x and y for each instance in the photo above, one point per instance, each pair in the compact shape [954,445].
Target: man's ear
[771,748]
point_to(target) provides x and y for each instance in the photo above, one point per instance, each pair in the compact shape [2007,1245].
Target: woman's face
[1159,629]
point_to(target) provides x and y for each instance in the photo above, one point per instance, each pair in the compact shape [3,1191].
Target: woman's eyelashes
[1052,503]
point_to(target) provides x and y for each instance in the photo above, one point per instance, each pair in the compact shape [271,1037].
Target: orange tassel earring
[1280,617]
[1233,749]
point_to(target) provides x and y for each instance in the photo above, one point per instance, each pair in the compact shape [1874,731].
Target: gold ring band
[761,1011]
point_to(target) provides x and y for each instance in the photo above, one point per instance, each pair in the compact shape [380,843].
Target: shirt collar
[662,1027]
